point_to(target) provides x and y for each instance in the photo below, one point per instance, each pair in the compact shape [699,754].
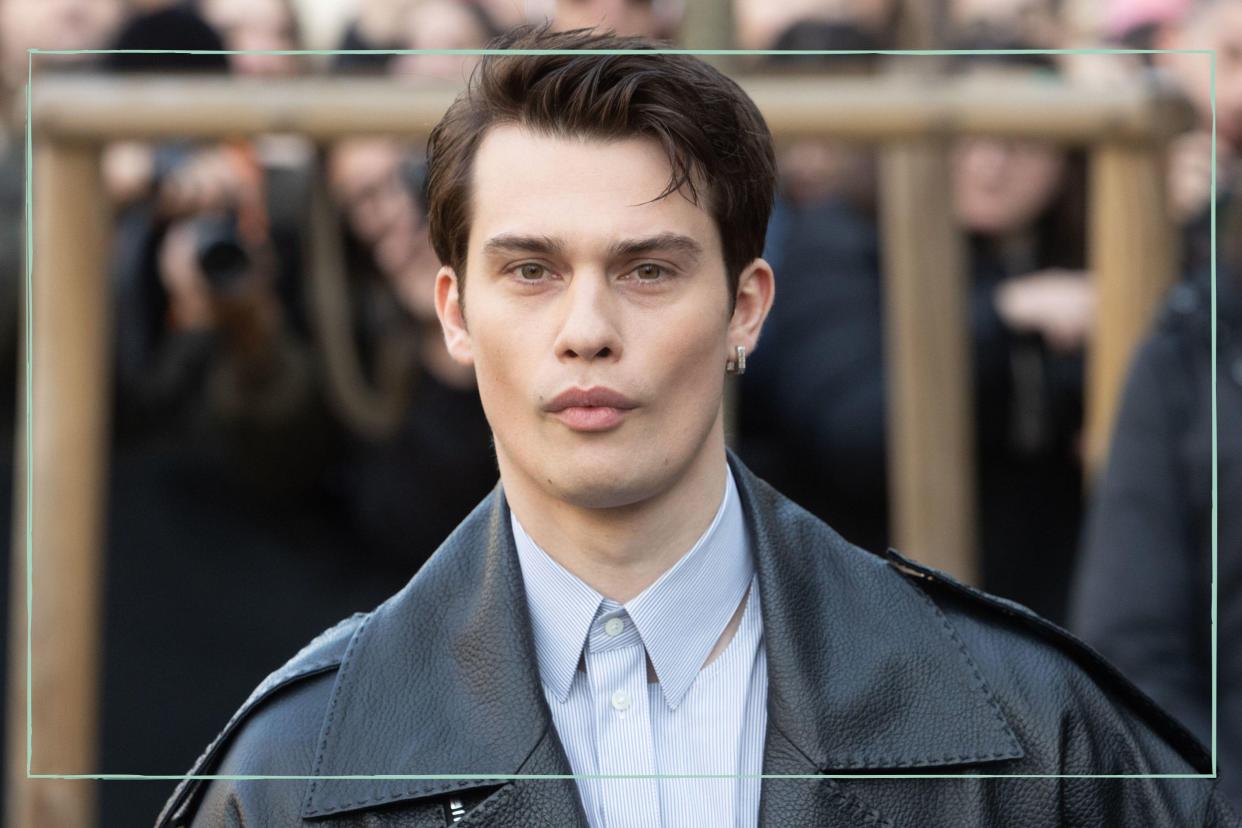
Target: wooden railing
[930,411]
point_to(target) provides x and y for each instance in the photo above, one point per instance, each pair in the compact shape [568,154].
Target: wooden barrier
[930,454]
[97,109]
[71,375]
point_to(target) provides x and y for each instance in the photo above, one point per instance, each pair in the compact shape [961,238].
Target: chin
[610,484]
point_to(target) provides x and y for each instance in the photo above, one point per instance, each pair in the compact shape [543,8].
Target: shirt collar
[679,617]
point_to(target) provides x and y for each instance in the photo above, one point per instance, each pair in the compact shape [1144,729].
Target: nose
[588,328]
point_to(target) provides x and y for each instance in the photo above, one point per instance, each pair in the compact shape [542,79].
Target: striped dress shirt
[694,720]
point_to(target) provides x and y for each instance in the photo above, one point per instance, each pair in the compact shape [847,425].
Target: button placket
[624,740]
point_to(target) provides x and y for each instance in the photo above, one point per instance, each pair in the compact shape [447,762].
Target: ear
[756,289]
[452,320]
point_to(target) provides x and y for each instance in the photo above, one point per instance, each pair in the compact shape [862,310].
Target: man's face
[576,279]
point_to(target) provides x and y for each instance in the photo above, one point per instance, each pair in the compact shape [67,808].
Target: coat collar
[864,672]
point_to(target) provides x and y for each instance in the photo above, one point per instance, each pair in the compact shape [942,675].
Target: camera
[219,251]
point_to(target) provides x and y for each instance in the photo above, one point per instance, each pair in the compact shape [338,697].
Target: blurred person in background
[1037,23]
[812,410]
[649,18]
[420,24]
[375,25]
[1215,25]
[1143,592]
[814,171]
[221,436]
[405,491]
[203,335]
[257,25]
[442,24]
[54,24]
[759,24]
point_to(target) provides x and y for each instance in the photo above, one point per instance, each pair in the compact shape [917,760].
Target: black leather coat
[875,667]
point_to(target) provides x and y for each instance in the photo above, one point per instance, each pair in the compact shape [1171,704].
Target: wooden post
[1133,259]
[931,468]
[71,307]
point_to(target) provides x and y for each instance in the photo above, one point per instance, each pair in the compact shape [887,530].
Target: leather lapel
[442,679]
[864,672]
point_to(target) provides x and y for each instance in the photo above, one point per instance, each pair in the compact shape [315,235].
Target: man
[630,600]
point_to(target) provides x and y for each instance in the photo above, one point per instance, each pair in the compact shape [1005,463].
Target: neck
[620,551]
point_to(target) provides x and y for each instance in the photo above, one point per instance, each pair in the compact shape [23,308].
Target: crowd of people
[235,456]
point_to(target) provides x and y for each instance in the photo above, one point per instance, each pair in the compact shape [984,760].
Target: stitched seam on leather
[856,807]
[336,695]
[872,761]
[1069,645]
[187,789]
[435,787]
[980,684]
[371,800]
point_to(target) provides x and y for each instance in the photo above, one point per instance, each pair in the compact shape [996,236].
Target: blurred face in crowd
[576,278]
[440,24]
[260,25]
[1002,186]
[1031,21]
[55,24]
[1218,27]
[366,179]
[760,22]
[625,17]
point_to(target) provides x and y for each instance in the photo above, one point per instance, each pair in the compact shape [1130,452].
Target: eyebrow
[659,243]
[512,242]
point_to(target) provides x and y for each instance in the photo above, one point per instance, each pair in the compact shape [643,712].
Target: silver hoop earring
[737,366]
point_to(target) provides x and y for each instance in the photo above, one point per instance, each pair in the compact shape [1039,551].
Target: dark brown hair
[713,134]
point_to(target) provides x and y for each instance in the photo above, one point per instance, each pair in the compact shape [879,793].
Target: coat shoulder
[273,733]
[1077,711]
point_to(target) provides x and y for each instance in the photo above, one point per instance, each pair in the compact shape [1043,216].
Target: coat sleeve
[1142,592]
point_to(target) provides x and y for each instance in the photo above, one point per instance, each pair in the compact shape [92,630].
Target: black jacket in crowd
[1143,595]
[876,666]
[813,407]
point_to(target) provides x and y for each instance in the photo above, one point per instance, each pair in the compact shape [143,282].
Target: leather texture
[877,666]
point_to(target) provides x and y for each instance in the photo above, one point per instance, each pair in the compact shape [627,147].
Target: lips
[596,397]
[590,409]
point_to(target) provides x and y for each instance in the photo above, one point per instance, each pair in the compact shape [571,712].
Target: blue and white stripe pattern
[694,720]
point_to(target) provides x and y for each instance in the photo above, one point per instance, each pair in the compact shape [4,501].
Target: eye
[530,271]
[649,272]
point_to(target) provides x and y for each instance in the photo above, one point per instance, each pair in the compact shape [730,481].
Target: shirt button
[614,626]
[620,701]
